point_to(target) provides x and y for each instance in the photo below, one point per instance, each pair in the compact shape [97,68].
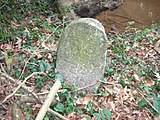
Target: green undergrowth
[133,63]
[18,16]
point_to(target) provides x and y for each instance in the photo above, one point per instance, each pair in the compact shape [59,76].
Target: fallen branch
[31,99]
[33,93]
[48,101]
[21,84]
[18,83]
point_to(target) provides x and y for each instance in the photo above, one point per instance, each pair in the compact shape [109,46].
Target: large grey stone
[81,56]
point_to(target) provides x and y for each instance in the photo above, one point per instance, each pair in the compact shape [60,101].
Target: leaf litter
[134,73]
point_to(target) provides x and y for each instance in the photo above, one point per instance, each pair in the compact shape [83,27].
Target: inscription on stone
[81,56]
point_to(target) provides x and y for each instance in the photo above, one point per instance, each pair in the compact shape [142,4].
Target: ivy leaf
[88,118]
[98,116]
[46,118]
[59,75]
[103,114]
[142,102]
[156,104]
[44,66]
[59,107]
[89,107]
[110,70]
[147,89]
[108,113]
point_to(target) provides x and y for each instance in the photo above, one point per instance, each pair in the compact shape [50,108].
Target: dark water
[142,12]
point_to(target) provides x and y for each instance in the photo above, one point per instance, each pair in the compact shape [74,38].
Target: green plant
[103,114]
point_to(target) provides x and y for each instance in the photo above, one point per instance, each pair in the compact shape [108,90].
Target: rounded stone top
[90,21]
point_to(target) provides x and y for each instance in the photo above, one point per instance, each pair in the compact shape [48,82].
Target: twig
[9,77]
[118,116]
[147,101]
[127,18]
[156,46]
[87,86]
[149,112]
[48,101]
[57,114]
[3,69]
[20,85]
[109,83]
[118,23]
[2,6]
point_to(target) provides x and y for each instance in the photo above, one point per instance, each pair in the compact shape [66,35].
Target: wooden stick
[48,101]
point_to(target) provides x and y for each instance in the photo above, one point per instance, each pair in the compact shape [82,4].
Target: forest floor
[29,35]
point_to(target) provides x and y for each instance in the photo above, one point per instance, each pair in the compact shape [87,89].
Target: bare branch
[21,84]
